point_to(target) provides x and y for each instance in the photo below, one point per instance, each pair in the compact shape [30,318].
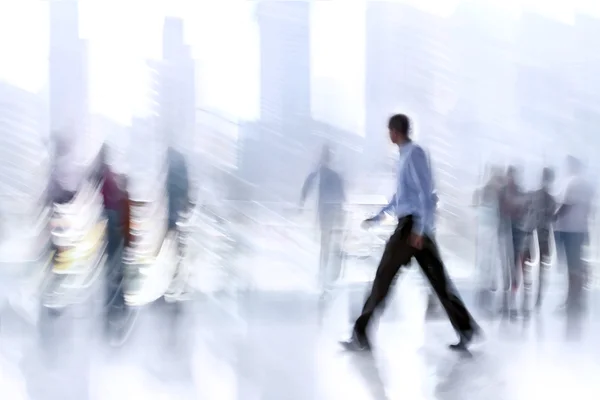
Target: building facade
[68,80]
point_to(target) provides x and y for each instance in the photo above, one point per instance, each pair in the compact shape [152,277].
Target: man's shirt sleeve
[420,176]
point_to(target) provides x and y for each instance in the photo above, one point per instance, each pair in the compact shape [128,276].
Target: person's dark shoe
[466,338]
[356,343]
[434,310]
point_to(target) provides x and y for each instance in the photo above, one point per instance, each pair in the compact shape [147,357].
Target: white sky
[224,39]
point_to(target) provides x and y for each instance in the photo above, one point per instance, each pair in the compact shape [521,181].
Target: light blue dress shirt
[415,193]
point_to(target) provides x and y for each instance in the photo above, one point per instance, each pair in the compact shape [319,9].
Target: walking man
[414,205]
[331,198]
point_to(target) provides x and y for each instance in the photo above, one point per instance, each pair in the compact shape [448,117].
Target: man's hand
[416,241]
[368,223]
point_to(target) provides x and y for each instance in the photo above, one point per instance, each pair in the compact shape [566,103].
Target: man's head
[547,176]
[325,155]
[399,127]
[512,175]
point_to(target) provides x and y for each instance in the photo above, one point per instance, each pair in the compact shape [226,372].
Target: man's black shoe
[466,338]
[357,343]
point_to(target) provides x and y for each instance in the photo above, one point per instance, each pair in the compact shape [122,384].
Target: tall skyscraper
[400,56]
[285,63]
[147,141]
[545,49]
[586,87]
[24,174]
[177,93]
[69,104]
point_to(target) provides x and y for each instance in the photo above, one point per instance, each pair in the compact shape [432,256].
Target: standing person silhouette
[571,231]
[414,204]
[331,197]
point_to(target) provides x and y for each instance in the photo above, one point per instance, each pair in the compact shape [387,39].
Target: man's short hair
[400,123]
[547,175]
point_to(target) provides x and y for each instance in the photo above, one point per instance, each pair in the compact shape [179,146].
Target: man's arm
[565,202]
[186,184]
[308,184]
[418,169]
[387,209]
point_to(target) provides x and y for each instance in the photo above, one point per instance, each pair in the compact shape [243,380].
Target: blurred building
[586,88]
[147,160]
[217,139]
[479,115]
[546,50]
[147,145]
[177,93]
[116,137]
[24,152]
[213,168]
[68,81]
[402,52]
[276,152]
[285,64]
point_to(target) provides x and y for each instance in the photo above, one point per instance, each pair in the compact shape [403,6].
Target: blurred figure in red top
[116,208]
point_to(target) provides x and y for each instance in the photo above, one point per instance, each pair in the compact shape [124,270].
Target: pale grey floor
[283,346]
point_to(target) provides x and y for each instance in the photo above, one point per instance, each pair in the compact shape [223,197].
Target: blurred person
[178,185]
[331,197]
[116,209]
[571,230]
[487,201]
[179,202]
[541,216]
[513,207]
[414,204]
[65,177]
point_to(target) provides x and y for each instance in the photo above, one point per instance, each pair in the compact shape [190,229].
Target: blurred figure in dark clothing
[539,219]
[65,177]
[116,209]
[571,231]
[512,210]
[177,185]
[331,196]
[114,194]
[487,200]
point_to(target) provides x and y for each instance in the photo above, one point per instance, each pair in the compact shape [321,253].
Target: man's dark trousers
[398,253]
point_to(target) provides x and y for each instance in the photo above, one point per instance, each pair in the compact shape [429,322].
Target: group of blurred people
[67,179]
[517,228]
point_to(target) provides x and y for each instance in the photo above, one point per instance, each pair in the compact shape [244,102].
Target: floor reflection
[284,345]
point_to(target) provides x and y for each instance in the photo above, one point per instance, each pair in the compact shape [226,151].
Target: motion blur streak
[182,186]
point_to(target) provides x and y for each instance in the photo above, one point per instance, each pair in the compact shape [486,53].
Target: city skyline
[225,83]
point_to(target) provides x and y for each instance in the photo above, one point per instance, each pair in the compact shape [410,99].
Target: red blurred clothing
[116,199]
[111,192]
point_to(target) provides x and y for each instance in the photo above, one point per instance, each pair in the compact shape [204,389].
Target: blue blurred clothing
[177,185]
[331,194]
[415,194]
[331,197]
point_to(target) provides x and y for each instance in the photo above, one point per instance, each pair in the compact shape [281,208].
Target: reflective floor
[272,345]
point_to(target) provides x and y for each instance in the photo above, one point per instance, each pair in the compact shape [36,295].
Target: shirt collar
[404,146]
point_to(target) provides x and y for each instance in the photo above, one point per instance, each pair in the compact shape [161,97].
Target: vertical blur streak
[182,185]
